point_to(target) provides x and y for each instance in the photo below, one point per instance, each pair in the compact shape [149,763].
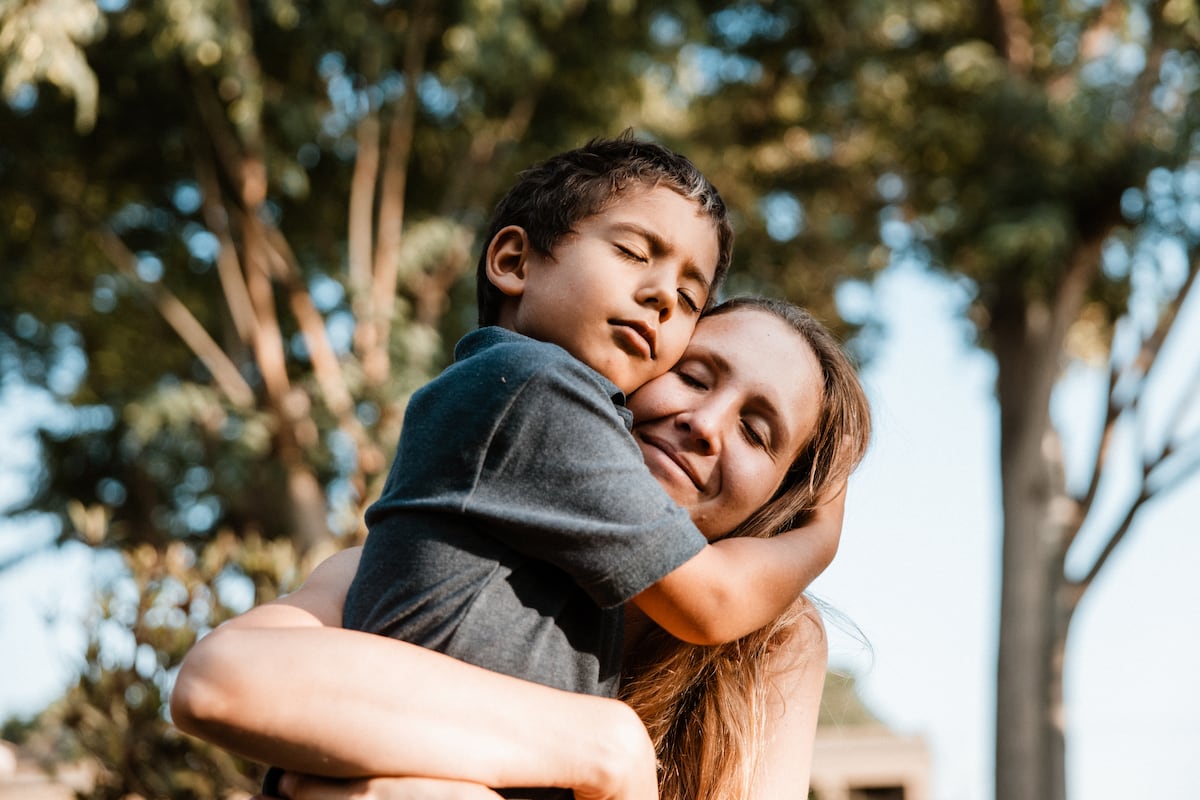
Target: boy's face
[623,292]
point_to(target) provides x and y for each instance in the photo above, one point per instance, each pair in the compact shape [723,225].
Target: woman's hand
[295,786]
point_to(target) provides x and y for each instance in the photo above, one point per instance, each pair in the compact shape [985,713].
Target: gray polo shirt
[517,517]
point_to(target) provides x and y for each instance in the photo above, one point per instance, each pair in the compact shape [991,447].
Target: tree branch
[182,321]
[360,233]
[312,327]
[229,268]
[1169,453]
[1083,505]
[1145,493]
[268,337]
[393,184]
[1114,540]
[1166,322]
[1175,454]
[215,124]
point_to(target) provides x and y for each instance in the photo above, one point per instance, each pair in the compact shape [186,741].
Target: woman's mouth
[665,452]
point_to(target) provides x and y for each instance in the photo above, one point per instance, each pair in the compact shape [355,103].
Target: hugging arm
[611,526]
[797,669]
[295,786]
[282,684]
[797,678]
[737,585]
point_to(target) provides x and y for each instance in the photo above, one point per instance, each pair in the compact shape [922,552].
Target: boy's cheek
[674,338]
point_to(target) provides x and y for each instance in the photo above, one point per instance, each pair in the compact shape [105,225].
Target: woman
[736,720]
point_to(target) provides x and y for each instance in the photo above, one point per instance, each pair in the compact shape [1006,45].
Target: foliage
[258,221]
[113,719]
[1019,148]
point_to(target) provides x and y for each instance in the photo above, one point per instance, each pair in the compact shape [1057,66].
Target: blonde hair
[705,707]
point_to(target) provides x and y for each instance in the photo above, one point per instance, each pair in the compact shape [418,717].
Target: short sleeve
[561,479]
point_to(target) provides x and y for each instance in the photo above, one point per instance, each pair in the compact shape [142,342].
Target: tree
[271,205]
[256,221]
[1047,156]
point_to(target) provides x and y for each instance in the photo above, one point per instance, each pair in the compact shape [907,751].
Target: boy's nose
[658,296]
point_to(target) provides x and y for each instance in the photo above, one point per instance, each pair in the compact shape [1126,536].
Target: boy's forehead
[632,200]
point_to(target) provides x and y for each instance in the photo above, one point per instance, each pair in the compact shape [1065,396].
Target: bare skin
[283,684]
[464,728]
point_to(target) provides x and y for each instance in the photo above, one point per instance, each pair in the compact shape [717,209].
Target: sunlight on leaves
[43,41]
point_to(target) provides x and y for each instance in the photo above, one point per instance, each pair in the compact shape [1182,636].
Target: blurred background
[235,236]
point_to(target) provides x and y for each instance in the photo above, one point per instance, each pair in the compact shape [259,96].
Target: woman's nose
[702,429]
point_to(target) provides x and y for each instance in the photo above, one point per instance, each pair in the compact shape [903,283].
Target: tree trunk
[307,508]
[1029,736]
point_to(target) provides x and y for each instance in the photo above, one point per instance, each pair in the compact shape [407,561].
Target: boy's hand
[824,531]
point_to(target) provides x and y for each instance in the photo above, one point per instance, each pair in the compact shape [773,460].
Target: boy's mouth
[639,332]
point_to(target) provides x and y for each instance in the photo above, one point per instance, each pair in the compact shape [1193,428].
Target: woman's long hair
[706,707]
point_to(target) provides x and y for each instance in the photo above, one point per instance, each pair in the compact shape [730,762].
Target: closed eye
[631,254]
[690,380]
[690,302]
[754,435]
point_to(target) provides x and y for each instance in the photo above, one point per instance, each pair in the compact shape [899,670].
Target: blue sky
[917,572]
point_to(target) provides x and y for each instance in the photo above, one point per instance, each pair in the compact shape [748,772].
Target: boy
[518,515]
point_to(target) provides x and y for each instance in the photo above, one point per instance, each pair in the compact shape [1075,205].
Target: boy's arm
[735,586]
[279,686]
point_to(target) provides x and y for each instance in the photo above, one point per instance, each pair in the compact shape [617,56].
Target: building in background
[857,757]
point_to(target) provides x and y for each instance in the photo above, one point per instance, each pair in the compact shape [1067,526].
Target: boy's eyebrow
[659,246]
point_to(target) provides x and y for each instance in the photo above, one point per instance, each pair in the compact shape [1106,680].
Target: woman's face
[721,429]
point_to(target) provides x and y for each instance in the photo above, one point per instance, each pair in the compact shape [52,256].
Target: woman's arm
[310,787]
[797,680]
[280,685]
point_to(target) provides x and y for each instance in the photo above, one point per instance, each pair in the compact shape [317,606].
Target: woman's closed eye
[691,378]
[756,434]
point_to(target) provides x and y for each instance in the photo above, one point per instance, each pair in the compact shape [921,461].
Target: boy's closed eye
[632,254]
[686,296]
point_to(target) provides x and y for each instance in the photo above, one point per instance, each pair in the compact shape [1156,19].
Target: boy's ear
[507,255]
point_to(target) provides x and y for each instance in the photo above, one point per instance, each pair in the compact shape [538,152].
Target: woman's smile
[721,429]
[657,450]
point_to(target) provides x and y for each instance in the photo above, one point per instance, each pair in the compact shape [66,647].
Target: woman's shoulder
[801,641]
